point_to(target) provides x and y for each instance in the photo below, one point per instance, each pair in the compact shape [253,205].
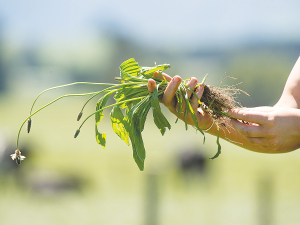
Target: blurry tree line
[263,71]
[261,67]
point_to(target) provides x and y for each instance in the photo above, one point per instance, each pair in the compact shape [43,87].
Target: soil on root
[217,100]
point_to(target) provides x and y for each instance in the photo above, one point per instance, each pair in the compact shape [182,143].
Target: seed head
[79,115]
[77,133]
[28,125]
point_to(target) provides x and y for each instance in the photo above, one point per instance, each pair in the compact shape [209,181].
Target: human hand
[170,101]
[273,129]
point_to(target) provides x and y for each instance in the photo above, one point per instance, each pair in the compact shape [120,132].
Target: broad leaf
[148,71]
[117,122]
[127,93]
[101,137]
[134,123]
[129,69]
[159,119]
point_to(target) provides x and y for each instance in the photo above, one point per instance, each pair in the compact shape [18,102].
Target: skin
[270,129]
[204,120]
[279,126]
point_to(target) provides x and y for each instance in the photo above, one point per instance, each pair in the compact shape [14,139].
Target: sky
[160,22]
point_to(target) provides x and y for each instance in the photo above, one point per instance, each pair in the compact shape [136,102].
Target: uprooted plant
[133,102]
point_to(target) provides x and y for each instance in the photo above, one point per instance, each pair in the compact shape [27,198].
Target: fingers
[151,85]
[247,130]
[192,93]
[257,117]
[199,92]
[171,90]
[151,82]
[256,134]
[253,130]
[189,91]
[191,84]
[160,75]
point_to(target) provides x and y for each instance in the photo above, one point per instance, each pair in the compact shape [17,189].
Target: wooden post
[265,200]
[152,199]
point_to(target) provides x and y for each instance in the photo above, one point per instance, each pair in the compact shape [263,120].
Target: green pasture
[239,187]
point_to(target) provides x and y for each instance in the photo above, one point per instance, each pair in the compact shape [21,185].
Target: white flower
[17,156]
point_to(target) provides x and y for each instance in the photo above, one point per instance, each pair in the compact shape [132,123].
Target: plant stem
[68,95]
[89,83]
[118,103]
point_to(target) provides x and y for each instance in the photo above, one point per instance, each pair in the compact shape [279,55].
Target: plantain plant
[132,105]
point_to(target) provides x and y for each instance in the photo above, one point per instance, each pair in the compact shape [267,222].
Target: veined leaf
[117,122]
[134,123]
[129,69]
[101,137]
[148,71]
[159,119]
[127,93]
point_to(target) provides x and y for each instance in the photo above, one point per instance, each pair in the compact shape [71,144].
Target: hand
[273,129]
[170,101]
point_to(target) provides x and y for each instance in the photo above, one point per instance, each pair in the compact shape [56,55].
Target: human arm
[203,118]
[279,126]
[271,129]
[291,93]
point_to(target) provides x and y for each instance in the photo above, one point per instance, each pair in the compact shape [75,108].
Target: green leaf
[178,95]
[148,71]
[204,79]
[159,119]
[134,123]
[129,69]
[117,122]
[194,117]
[139,113]
[184,96]
[139,153]
[218,143]
[101,137]
[127,93]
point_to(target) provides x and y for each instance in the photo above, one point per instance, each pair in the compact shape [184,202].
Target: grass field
[239,187]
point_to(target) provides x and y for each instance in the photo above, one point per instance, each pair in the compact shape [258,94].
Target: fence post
[152,199]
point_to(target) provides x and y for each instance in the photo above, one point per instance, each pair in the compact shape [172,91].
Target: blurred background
[75,181]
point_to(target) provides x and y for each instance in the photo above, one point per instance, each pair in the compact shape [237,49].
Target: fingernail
[200,89]
[193,80]
[176,79]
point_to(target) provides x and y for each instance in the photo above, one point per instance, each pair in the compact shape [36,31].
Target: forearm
[228,133]
[278,130]
[291,93]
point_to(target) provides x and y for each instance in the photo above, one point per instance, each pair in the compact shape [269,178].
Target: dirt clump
[218,100]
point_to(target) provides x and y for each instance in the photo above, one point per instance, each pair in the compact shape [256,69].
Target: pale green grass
[115,190]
